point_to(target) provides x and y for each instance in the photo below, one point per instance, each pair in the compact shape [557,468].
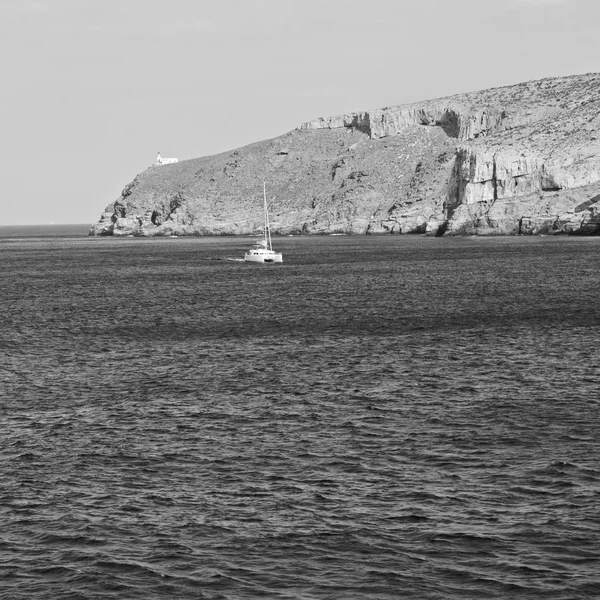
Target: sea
[379,417]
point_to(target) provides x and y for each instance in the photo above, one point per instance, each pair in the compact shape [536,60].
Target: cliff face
[523,159]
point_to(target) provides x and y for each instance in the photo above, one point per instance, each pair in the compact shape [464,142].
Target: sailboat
[262,250]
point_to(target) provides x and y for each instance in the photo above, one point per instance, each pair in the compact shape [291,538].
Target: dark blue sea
[375,418]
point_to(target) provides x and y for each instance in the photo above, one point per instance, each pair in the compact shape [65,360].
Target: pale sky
[93,89]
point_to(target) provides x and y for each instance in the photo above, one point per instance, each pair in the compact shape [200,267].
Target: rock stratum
[521,159]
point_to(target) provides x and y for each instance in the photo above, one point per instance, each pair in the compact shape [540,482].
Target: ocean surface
[375,418]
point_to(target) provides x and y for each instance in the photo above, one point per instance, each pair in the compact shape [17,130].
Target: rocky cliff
[522,159]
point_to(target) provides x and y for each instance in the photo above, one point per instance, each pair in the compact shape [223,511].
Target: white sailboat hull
[263,256]
[262,251]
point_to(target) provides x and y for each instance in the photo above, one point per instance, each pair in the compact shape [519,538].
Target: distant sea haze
[43,231]
[379,417]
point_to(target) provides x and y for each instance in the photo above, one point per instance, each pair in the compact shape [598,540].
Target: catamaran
[262,250]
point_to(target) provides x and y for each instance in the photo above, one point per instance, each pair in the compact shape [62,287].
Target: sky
[91,90]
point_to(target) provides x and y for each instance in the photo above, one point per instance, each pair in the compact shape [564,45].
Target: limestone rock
[523,159]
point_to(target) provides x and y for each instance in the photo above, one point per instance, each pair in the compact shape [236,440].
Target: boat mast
[267,228]
[265,214]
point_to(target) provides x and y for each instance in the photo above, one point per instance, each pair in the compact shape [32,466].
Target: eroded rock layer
[523,159]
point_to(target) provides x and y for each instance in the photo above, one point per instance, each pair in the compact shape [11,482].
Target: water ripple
[378,418]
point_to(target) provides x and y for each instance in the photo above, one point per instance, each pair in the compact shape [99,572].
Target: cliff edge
[521,159]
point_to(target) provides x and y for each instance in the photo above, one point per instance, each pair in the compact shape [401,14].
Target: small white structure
[165,161]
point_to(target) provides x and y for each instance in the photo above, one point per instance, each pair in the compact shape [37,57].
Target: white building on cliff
[164,161]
